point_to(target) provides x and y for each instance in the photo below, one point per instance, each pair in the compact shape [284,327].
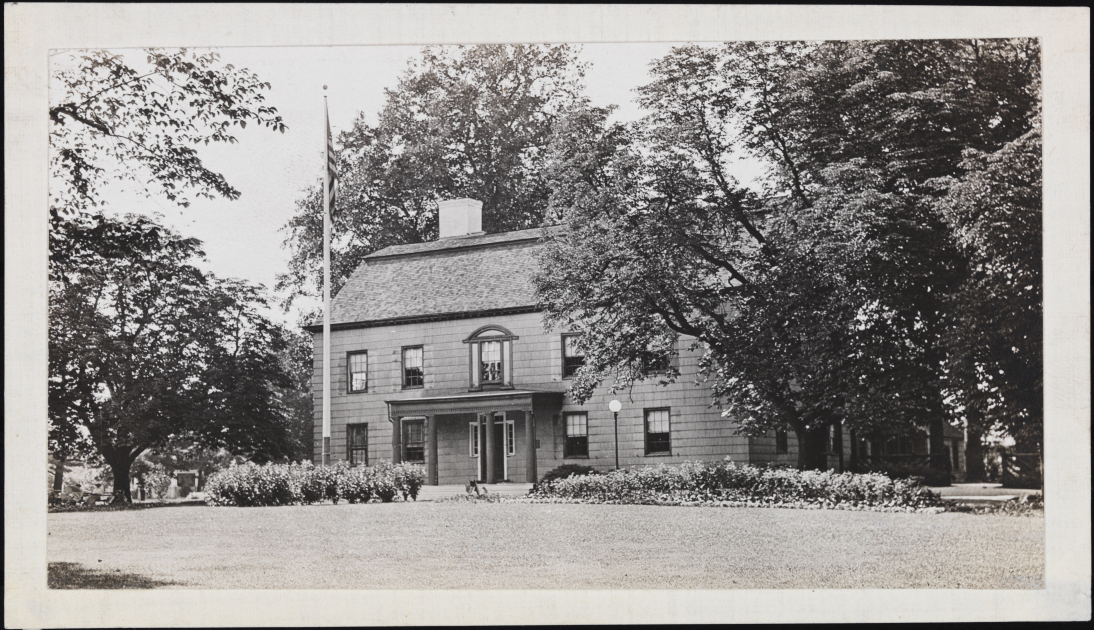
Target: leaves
[112,117]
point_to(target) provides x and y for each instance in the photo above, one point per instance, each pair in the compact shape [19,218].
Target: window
[413,440]
[490,365]
[662,363]
[572,357]
[491,357]
[782,441]
[657,432]
[473,438]
[357,437]
[577,435]
[357,364]
[510,438]
[413,370]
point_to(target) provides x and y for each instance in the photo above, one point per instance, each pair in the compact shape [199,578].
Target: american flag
[332,176]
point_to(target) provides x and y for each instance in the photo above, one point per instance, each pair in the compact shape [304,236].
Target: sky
[244,238]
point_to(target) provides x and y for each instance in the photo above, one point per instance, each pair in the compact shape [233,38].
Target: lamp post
[614,406]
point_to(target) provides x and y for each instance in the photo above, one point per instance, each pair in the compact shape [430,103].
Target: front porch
[489,437]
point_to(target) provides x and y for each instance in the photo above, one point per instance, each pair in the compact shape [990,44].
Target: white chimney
[460,217]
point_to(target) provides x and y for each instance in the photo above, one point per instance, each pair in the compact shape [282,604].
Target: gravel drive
[506,546]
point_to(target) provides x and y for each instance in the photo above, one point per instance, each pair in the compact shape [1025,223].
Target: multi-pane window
[490,364]
[657,431]
[357,437]
[413,369]
[510,439]
[413,441]
[577,435]
[782,441]
[659,362]
[572,357]
[357,364]
[491,357]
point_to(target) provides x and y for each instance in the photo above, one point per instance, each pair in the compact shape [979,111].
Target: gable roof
[443,279]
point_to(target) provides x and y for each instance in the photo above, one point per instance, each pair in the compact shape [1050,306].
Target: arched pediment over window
[490,357]
[490,331]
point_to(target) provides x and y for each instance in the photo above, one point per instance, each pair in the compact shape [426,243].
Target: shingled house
[439,355]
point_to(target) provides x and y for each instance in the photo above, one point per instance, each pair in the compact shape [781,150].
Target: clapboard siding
[697,431]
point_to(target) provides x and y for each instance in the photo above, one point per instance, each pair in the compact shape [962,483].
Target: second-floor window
[491,357]
[357,364]
[413,367]
[572,357]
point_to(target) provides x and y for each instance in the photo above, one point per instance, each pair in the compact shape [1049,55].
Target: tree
[112,116]
[823,302]
[996,353]
[145,347]
[471,122]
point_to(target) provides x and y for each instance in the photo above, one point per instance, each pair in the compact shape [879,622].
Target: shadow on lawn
[72,575]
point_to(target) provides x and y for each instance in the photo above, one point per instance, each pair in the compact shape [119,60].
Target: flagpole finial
[324,87]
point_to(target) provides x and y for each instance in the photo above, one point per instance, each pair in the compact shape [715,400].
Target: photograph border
[31,30]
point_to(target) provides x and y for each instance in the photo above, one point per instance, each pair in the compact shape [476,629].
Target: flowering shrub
[725,483]
[283,484]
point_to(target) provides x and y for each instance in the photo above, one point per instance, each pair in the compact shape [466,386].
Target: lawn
[505,546]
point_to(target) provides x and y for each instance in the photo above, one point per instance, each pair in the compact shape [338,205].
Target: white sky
[243,238]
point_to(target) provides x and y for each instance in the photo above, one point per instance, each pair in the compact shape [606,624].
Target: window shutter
[507,363]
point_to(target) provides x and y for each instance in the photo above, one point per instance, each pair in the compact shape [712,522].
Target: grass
[437,545]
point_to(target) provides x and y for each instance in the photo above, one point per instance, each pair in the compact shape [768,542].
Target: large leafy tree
[462,122]
[139,116]
[145,347]
[823,302]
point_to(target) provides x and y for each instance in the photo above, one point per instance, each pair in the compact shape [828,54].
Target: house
[439,355]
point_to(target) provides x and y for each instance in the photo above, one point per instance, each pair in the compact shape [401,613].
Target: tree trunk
[59,476]
[812,454]
[853,462]
[974,454]
[939,454]
[120,466]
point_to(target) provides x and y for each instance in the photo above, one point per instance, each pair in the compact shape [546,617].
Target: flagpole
[326,283]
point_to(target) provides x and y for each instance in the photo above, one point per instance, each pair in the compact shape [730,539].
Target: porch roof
[478,402]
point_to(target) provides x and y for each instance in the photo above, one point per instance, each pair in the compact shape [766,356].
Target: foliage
[118,116]
[462,122]
[145,348]
[152,476]
[825,299]
[249,485]
[997,354]
[567,470]
[707,483]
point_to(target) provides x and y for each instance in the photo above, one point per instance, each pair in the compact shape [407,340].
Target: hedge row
[725,483]
[249,485]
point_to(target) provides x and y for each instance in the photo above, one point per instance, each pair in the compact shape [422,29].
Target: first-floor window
[577,435]
[473,438]
[782,441]
[357,437]
[413,440]
[657,432]
[510,439]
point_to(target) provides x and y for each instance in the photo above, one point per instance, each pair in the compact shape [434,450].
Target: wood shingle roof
[448,277]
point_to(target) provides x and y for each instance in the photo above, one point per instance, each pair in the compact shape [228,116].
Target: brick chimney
[460,217]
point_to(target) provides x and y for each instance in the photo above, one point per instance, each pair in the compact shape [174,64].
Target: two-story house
[439,355]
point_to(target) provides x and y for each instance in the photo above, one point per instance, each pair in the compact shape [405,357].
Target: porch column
[491,475]
[530,438]
[396,440]
[431,450]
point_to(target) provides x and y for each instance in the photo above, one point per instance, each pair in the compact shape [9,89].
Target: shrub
[725,483]
[567,470]
[249,485]
[184,491]
[409,479]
